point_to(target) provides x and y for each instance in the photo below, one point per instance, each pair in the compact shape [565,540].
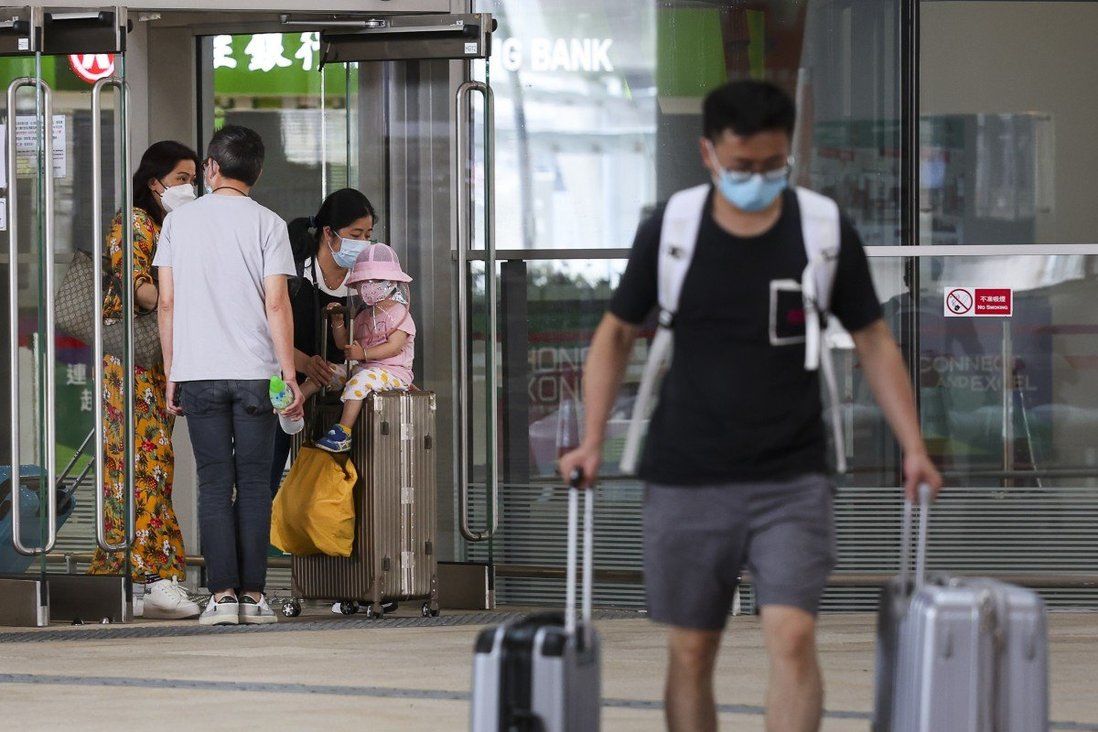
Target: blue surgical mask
[754,194]
[749,193]
[349,249]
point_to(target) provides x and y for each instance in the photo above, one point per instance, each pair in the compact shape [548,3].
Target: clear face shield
[374,300]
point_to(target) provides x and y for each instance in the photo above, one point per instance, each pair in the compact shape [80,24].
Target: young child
[383,340]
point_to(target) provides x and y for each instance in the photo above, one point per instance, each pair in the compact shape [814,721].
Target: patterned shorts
[366,380]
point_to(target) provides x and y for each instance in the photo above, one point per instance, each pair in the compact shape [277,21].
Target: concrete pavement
[418,678]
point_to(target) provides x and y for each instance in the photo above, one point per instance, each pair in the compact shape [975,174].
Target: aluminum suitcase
[393,558]
[959,653]
[542,673]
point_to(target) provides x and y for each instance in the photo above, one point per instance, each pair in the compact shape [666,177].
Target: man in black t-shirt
[734,460]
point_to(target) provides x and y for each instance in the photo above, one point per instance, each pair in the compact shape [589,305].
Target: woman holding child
[325,246]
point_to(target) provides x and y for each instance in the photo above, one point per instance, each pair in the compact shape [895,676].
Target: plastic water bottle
[282,398]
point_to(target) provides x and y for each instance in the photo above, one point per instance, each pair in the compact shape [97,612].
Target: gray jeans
[232,427]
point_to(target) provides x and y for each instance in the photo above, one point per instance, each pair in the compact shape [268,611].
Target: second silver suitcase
[968,655]
[542,674]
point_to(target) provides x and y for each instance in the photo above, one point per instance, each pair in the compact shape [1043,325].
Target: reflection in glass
[598,108]
[1007,147]
[1020,462]
[1013,398]
[985,178]
[270,82]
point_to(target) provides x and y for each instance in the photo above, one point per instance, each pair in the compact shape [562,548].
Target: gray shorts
[698,538]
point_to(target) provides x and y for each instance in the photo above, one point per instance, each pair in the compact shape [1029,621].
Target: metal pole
[97,255]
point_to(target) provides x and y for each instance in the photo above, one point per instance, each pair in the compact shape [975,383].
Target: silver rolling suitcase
[396,507]
[541,674]
[393,558]
[958,654]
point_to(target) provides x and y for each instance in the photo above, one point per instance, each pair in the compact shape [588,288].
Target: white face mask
[174,197]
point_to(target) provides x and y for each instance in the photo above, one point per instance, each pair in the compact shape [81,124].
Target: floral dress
[157,549]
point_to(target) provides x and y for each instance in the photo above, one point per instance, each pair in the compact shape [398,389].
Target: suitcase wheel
[349,607]
[291,608]
[428,612]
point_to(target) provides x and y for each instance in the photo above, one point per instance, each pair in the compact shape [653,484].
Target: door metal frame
[153,7]
[416,173]
[464,244]
[46,246]
[129,390]
[26,599]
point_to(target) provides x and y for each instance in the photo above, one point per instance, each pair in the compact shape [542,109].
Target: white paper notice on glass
[26,143]
[3,214]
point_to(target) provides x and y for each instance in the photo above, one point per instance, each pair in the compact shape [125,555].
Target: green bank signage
[273,64]
[265,64]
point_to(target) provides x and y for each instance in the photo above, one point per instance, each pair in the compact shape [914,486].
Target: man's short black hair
[239,152]
[747,108]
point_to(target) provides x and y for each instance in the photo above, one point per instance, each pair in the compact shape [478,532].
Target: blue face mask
[751,193]
[349,249]
[754,194]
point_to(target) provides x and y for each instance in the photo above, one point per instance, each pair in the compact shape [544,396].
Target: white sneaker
[256,613]
[225,611]
[166,600]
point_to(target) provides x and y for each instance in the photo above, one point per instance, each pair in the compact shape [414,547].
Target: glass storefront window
[1012,401]
[1018,459]
[1005,401]
[1007,154]
[307,117]
[585,152]
[598,107]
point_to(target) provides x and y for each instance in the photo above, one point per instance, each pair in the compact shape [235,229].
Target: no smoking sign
[978,302]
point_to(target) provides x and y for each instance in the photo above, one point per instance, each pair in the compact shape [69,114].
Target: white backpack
[679,236]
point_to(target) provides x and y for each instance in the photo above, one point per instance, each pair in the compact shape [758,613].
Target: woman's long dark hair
[159,160]
[339,210]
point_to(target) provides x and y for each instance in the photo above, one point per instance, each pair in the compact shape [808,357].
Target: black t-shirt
[736,406]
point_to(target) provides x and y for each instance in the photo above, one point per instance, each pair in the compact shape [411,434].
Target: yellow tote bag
[314,510]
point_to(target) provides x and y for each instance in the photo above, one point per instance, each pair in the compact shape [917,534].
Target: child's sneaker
[337,440]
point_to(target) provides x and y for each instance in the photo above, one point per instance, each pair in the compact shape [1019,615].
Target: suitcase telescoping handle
[905,539]
[575,480]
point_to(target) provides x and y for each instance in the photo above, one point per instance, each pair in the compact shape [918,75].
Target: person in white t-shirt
[226,326]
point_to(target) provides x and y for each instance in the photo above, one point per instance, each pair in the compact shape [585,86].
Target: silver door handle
[127,314]
[13,318]
[464,241]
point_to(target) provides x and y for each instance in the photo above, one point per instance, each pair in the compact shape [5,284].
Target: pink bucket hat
[377,262]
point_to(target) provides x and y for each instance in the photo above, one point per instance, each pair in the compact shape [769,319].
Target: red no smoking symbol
[959,301]
[91,67]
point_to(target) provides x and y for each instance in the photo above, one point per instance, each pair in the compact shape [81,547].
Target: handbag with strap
[75,313]
[314,510]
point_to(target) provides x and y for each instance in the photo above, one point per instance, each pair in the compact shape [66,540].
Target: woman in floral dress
[164,180]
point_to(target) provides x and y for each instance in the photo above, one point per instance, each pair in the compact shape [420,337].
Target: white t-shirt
[340,291]
[220,249]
